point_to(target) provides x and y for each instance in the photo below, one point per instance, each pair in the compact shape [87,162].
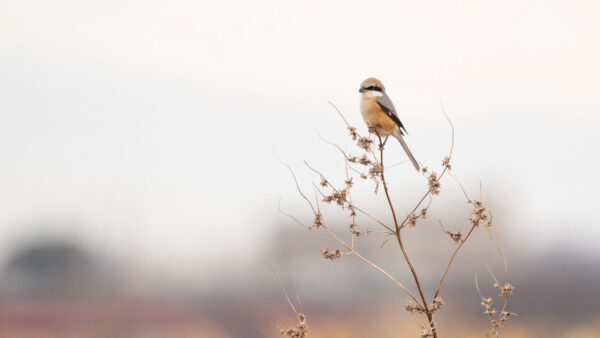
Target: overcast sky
[150,125]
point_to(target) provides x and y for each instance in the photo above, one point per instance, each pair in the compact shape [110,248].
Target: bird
[380,115]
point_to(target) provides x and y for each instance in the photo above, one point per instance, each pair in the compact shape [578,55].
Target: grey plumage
[406,150]
[388,107]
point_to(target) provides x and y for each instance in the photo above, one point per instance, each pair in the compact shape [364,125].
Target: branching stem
[399,238]
[437,291]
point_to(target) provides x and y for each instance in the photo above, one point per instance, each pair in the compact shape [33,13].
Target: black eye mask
[375,88]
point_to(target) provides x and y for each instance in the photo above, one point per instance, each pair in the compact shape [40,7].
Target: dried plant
[301,328]
[372,160]
[497,319]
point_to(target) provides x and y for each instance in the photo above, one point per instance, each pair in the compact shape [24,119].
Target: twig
[282,288]
[437,291]
[290,216]
[404,222]
[351,204]
[354,252]
[296,181]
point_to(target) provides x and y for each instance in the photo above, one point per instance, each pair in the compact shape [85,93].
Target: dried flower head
[331,255]
[374,173]
[353,226]
[376,170]
[437,304]
[412,220]
[434,184]
[505,290]
[352,132]
[323,182]
[299,331]
[317,222]
[456,236]
[340,196]
[364,160]
[364,143]
[446,162]
[427,332]
[478,214]
[497,320]
[352,210]
[485,302]
[424,213]
[413,308]
[505,314]
[383,243]
[349,182]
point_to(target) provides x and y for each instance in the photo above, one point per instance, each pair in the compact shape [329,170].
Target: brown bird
[379,113]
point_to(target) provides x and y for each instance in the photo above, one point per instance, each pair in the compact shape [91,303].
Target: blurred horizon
[551,288]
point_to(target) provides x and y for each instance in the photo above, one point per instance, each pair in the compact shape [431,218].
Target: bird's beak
[361,90]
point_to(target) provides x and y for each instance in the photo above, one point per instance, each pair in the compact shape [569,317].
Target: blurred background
[139,194]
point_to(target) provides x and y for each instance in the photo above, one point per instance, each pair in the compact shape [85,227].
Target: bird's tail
[405,147]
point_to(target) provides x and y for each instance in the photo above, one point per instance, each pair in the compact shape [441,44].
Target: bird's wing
[387,106]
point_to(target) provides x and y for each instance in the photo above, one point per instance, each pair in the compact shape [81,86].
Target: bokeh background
[139,194]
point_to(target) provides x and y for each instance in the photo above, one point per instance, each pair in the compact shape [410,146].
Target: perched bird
[380,115]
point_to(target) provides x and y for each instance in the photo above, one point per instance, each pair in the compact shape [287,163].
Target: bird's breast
[375,117]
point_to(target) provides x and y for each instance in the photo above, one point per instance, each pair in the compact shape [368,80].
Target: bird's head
[372,87]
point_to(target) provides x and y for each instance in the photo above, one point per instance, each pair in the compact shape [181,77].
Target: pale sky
[150,125]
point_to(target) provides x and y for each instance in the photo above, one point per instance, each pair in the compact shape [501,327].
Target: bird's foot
[381,145]
[372,129]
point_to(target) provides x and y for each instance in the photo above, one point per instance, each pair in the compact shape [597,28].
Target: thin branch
[333,144]
[373,218]
[290,216]
[354,206]
[500,252]
[442,226]
[354,252]
[297,297]
[317,198]
[492,274]
[437,291]
[296,181]
[451,126]
[477,286]
[346,156]
[396,164]
[403,224]
[340,114]
[358,172]
[282,288]
[461,187]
